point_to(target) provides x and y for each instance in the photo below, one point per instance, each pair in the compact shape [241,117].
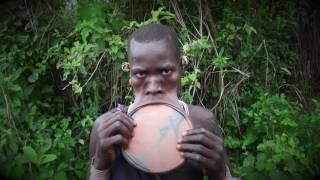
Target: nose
[154,87]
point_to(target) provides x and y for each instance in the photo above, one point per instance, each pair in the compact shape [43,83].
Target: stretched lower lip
[157,98]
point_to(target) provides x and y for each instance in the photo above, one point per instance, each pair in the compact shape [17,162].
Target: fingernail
[181,154]
[184,133]
[179,140]
[178,146]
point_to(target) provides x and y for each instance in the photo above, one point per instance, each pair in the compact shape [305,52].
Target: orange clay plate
[153,146]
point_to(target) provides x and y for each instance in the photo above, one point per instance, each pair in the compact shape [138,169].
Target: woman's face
[155,72]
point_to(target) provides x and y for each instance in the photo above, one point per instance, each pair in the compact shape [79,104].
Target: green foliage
[61,68]
[271,142]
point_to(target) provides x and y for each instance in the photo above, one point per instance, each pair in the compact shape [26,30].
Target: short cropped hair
[157,32]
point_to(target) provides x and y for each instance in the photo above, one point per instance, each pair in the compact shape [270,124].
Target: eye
[140,74]
[166,72]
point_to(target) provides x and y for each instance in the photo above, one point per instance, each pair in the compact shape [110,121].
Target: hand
[203,148]
[115,129]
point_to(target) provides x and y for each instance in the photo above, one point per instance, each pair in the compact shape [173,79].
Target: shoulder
[201,116]
[204,118]
[200,112]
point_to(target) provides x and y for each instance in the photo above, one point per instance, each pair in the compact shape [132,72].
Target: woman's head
[154,62]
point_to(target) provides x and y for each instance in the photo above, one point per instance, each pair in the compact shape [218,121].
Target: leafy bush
[271,145]
[61,68]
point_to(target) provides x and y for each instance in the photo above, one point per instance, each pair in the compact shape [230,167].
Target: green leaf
[232,142]
[250,138]
[13,144]
[30,154]
[61,175]
[20,159]
[14,87]
[18,172]
[45,145]
[261,160]
[220,62]
[1,76]
[33,77]
[289,122]
[45,173]
[114,49]
[90,11]
[278,175]
[48,158]
[248,161]
[249,29]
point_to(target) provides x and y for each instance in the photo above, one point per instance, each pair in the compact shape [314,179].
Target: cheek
[136,83]
[174,80]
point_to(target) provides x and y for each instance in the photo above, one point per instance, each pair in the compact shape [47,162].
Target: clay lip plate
[153,147]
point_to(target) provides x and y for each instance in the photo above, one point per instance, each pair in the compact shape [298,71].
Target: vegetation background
[255,63]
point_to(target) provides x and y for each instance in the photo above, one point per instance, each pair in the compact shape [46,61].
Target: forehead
[143,49]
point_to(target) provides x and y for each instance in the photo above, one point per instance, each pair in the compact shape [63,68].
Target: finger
[128,119]
[199,159]
[195,148]
[195,131]
[119,116]
[202,131]
[204,137]
[129,122]
[116,128]
[196,139]
[106,122]
[114,140]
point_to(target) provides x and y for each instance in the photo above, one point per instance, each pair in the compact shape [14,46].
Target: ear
[130,81]
[184,62]
[125,66]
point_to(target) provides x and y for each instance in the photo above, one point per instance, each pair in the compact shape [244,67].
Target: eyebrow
[136,58]
[167,64]
[139,58]
[138,69]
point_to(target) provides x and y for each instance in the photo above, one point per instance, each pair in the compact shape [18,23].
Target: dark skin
[155,73]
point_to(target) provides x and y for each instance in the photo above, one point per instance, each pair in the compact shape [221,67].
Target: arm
[110,130]
[92,150]
[203,145]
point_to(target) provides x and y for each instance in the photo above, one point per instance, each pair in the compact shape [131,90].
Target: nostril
[159,92]
[154,92]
